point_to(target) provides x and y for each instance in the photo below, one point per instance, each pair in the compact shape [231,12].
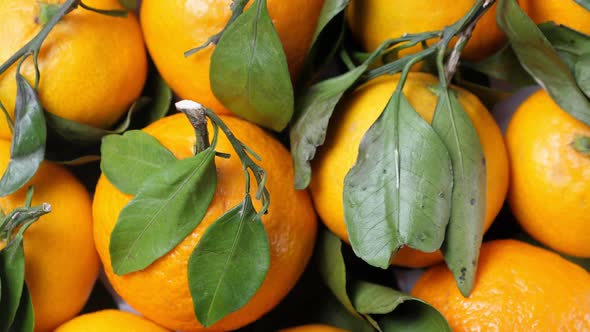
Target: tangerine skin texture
[111,321]
[93,66]
[161,292]
[550,186]
[353,118]
[313,328]
[374,21]
[566,12]
[61,263]
[176,26]
[518,287]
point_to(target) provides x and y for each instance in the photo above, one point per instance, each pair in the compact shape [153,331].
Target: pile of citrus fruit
[295,166]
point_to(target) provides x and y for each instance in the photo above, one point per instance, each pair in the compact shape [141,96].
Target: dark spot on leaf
[384,171]
[472,201]
[441,194]
[483,161]
[473,262]
[364,188]
[463,272]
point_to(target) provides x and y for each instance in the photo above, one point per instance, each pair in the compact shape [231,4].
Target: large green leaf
[164,211]
[569,43]
[399,191]
[129,160]
[466,225]
[540,59]
[27,149]
[12,273]
[235,253]
[249,72]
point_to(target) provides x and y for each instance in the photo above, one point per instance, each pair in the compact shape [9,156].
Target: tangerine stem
[195,113]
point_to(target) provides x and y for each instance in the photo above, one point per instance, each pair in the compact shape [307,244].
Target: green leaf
[333,269]
[540,59]
[399,191]
[582,73]
[369,298]
[488,96]
[568,43]
[249,72]
[584,3]
[129,4]
[12,273]
[466,226]
[24,321]
[330,10]
[129,160]
[79,160]
[27,149]
[236,254]
[85,135]
[164,211]
[314,109]
[414,316]
[503,65]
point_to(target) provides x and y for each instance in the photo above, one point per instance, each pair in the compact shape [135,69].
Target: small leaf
[504,65]
[160,95]
[466,226]
[390,304]
[24,320]
[79,160]
[488,96]
[333,269]
[27,149]
[540,59]
[164,211]
[235,253]
[12,273]
[582,73]
[129,4]
[129,160]
[313,112]
[398,192]
[330,10]
[584,3]
[249,72]
[414,316]
[85,135]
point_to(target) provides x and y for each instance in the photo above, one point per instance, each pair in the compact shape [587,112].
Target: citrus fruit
[161,291]
[566,12]
[313,328]
[61,264]
[374,21]
[92,66]
[550,179]
[111,321]
[357,112]
[174,27]
[518,287]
